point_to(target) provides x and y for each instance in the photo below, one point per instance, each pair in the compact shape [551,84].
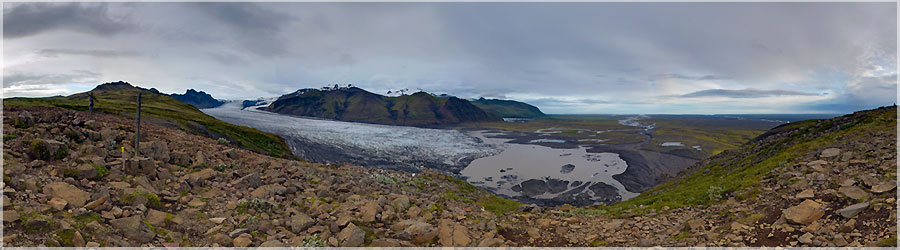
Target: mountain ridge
[508,108]
[358,105]
[198,99]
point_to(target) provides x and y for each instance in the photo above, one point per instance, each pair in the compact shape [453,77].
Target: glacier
[371,145]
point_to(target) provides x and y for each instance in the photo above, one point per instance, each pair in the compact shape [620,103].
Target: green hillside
[739,172]
[121,98]
[358,105]
[508,108]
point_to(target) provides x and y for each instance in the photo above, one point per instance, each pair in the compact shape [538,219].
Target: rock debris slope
[814,183]
[65,185]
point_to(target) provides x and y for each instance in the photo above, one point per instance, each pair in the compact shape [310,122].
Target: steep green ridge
[357,105]
[121,98]
[739,171]
[508,108]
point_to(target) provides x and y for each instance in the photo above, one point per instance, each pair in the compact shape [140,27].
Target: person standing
[91,101]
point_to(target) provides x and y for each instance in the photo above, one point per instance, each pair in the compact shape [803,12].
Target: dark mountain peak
[198,99]
[110,86]
[358,105]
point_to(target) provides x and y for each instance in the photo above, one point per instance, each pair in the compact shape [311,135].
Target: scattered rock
[57,203]
[71,194]
[248,181]
[884,187]
[300,222]
[830,152]
[242,241]
[414,230]
[805,213]
[133,229]
[238,232]
[351,236]
[451,233]
[806,238]
[10,215]
[490,242]
[852,210]
[839,240]
[806,194]
[196,202]
[401,202]
[86,171]
[156,218]
[266,190]
[644,242]
[158,150]
[369,212]
[78,240]
[272,243]
[853,192]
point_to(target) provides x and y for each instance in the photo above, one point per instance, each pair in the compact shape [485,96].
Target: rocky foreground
[66,183]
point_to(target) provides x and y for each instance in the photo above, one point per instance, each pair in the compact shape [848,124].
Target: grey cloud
[550,101]
[87,52]
[25,78]
[23,20]
[554,53]
[687,77]
[258,28]
[744,93]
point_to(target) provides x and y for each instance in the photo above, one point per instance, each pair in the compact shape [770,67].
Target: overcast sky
[561,57]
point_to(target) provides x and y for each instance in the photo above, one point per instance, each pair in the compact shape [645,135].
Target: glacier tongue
[383,146]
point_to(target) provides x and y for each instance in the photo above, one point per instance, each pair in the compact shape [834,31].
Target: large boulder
[24,119]
[180,158]
[71,194]
[47,149]
[86,171]
[884,187]
[453,234]
[108,135]
[140,166]
[248,181]
[158,150]
[10,215]
[401,202]
[197,178]
[156,217]
[415,231]
[853,192]
[265,191]
[369,211]
[300,222]
[830,152]
[805,213]
[351,236]
[134,229]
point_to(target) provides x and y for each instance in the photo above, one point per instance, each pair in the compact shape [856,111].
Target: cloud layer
[562,57]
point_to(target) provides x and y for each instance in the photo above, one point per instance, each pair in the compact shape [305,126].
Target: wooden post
[137,140]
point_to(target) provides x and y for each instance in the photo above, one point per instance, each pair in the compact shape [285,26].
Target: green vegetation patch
[720,178]
[153,201]
[123,101]
[498,205]
[384,179]
[255,204]
[101,170]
